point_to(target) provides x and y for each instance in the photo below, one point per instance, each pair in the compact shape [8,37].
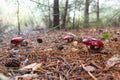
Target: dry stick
[71,69]
[59,57]
[62,73]
[96,65]
[12,74]
[65,61]
[94,78]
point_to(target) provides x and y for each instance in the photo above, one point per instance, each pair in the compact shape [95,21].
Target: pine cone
[12,63]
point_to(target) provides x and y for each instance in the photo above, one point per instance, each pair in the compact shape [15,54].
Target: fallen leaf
[26,77]
[28,66]
[113,60]
[38,67]
[89,68]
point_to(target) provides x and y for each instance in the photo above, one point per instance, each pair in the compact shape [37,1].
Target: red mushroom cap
[93,43]
[17,40]
[97,43]
[87,41]
[68,38]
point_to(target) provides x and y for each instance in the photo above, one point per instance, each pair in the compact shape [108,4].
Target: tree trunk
[97,11]
[56,14]
[65,14]
[86,14]
[74,14]
[19,30]
[49,23]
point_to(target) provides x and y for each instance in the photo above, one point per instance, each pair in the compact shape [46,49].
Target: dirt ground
[59,60]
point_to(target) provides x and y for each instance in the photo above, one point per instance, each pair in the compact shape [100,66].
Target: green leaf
[107,35]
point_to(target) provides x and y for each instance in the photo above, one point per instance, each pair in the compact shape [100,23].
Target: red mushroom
[87,41]
[18,40]
[68,38]
[94,44]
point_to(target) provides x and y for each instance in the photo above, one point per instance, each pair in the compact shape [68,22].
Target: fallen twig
[92,76]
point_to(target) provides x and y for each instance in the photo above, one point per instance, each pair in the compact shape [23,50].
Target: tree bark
[65,14]
[74,14]
[49,23]
[97,11]
[86,14]
[18,19]
[56,14]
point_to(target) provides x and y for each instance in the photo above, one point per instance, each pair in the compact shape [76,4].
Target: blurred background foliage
[37,14]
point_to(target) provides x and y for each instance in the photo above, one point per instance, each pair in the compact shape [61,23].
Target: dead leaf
[26,77]
[113,60]
[38,67]
[89,68]
[28,66]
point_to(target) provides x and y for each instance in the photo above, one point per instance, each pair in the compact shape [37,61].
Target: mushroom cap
[96,44]
[17,40]
[68,38]
[87,41]
[93,43]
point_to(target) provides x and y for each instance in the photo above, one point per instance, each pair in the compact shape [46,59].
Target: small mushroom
[68,38]
[93,44]
[18,41]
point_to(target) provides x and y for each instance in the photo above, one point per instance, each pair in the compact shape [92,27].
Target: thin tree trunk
[97,11]
[65,14]
[49,14]
[86,14]
[74,14]
[18,19]
[56,13]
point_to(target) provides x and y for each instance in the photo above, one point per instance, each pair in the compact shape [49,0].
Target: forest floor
[55,59]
